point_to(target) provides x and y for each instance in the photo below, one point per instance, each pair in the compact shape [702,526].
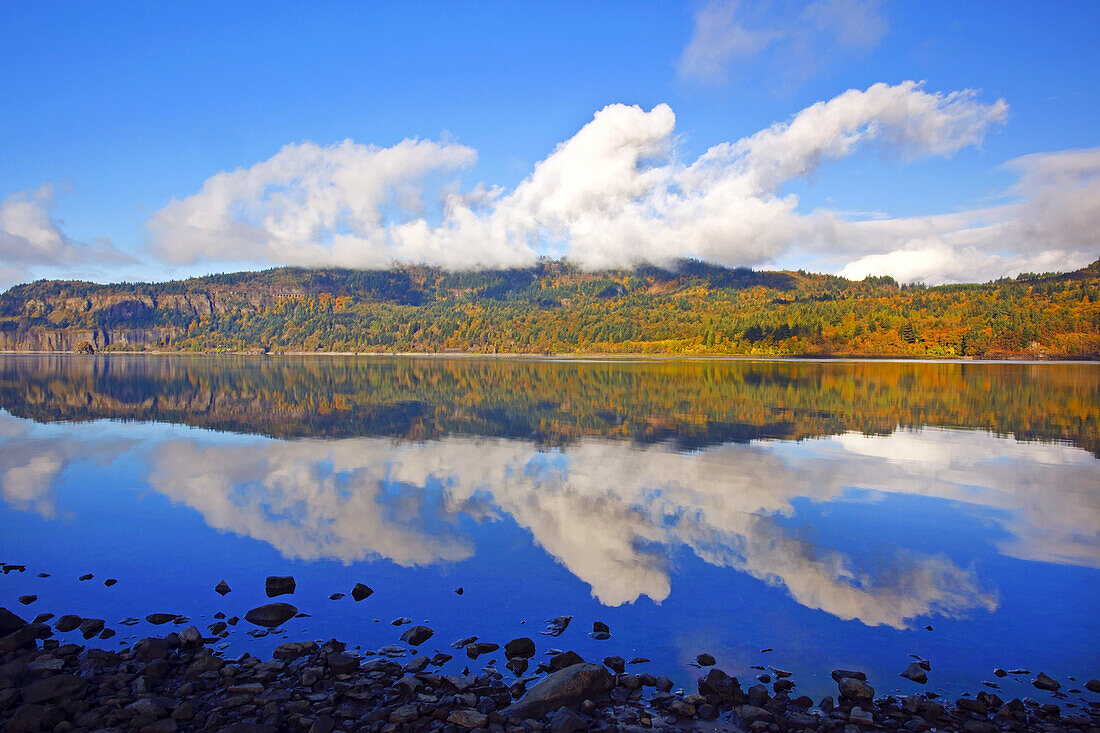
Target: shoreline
[593,357]
[178,682]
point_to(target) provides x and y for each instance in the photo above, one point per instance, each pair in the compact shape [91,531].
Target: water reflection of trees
[691,403]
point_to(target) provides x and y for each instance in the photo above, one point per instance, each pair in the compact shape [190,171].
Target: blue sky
[112,111]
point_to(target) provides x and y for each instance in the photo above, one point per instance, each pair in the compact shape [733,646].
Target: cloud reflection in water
[611,511]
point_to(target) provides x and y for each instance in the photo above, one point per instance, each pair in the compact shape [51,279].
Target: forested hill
[554,307]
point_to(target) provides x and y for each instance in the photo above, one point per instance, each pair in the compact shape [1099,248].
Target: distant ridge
[555,307]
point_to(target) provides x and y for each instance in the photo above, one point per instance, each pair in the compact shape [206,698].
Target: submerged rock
[271,615]
[556,626]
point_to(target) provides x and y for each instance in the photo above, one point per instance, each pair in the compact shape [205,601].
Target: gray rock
[53,687]
[839,674]
[417,635]
[191,637]
[615,664]
[522,648]
[856,689]
[859,716]
[567,721]
[749,714]
[271,615]
[360,591]
[468,718]
[567,686]
[341,663]
[718,683]
[916,673]
[279,585]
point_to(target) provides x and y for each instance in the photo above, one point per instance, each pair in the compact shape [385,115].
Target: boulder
[222,587]
[157,619]
[271,614]
[721,685]
[468,718]
[360,591]
[705,660]
[567,686]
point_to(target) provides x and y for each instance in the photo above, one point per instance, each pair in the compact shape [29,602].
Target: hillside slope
[554,307]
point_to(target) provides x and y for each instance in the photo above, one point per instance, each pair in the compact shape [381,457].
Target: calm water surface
[828,512]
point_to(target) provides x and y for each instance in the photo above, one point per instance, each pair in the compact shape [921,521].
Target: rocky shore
[179,683]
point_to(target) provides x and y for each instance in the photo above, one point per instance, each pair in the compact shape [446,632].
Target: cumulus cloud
[792,37]
[31,238]
[617,193]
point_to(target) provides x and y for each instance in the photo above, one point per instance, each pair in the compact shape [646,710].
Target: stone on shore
[271,615]
[567,686]
[279,585]
[856,690]
[9,622]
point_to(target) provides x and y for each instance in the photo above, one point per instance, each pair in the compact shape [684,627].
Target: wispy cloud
[793,38]
[31,237]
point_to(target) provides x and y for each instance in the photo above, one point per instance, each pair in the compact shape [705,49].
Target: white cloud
[614,194]
[791,39]
[31,238]
[609,511]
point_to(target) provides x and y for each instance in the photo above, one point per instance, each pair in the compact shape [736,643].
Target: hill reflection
[690,404]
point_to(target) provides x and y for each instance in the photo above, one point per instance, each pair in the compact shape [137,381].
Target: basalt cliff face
[555,307]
